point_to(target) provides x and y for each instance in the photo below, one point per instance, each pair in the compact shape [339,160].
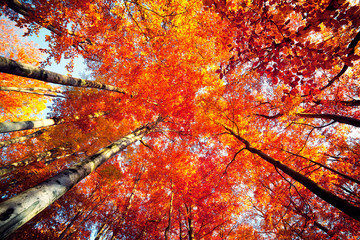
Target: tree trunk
[350,103]
[18,7]
[50,160]
[132,195]
[12,166]
[191,229]
[102,231]
[126,209]
[22,138]
[6,127]
[167,230]
[190,221]
[326,167]
[327,196]
[88,215]
[64,232]
[16,211]
[180,233]
[25,70]
[337,118]
[30,90]
[30,14]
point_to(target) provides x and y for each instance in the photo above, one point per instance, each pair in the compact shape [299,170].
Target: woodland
[201,119]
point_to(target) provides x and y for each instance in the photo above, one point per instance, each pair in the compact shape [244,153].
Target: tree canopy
[212,119]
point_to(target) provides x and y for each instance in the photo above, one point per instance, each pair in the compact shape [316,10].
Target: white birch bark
[6,127]
[16,211]
[31,91]
[21,139]
[25,70]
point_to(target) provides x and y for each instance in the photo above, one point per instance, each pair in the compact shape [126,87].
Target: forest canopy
[212,119]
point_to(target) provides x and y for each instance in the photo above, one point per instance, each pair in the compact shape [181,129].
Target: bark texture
[21,139]
[32,91]
[25,70]
[6,127]
[16,211]
[39,157]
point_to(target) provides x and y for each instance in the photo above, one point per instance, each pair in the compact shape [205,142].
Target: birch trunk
[6,127]
[25,70]
[16,211]
[31,91]
[21,139]
[29,13]
[41,156]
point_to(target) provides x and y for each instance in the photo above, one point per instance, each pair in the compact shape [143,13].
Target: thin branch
[351,46]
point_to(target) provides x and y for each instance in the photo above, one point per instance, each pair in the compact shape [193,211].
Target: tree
[259,136]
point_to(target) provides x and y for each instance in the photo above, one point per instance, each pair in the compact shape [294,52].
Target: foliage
[228,77]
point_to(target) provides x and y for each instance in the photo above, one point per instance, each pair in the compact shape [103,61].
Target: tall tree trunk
[191,228]
[31,91]
[190,221]
[124,213]
[27,12]
[102,231]
[22,138]
[50,160]
[16,211]
[70,224]
[350,103]
[90,213]
[337,118]
[6,127]
[327,196]
[25,70]
[18,7]
[180,232]
[133,191]
[167,230]
[41,156]
[326,167]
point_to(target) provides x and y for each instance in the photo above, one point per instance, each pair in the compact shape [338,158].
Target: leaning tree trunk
[167,229]
[327,196]
[328,168]
[336,118]
[76,217]
[32,91]
[40,157]
[30,14]
[22,138]
[6,127]
[18,210]
[25,70]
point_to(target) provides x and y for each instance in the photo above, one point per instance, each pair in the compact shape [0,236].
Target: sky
[79,66]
